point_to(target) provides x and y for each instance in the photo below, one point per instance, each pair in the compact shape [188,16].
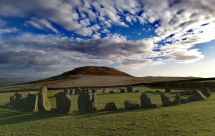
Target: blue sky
[39,39]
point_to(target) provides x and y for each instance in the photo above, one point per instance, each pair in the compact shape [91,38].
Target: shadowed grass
[196,118]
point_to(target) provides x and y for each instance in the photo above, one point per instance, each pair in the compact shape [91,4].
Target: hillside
[93,71]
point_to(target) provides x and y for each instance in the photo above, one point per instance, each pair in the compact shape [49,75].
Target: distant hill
[12,81]
[92,71]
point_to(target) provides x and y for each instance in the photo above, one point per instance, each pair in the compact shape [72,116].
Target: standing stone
[197,96]
[71,91]
[122,90]
[21,104]
[167,89]
[165,100]
[93,103]
[131,105]
[63,102]
[129,88]
[205,91]
[12,98]
[31,102]
[83,101]
[111,106]
[18,97]
[76,90]
[43,101]
[67,91]
[87,90]
[177,99]
[83,90]
[93,90]
[145,101]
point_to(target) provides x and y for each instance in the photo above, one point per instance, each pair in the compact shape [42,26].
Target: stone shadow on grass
[104,112]
[17,116]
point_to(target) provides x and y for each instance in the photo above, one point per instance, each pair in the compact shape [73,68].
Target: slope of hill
[93,71]
[12,81]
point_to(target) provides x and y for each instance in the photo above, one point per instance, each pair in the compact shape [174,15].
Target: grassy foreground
[195,118]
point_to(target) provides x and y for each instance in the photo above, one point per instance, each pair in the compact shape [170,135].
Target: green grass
[195,118]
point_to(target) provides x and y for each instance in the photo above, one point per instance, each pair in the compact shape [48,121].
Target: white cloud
[42,24]
[8,30]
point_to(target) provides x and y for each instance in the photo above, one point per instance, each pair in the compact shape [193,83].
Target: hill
[93,71]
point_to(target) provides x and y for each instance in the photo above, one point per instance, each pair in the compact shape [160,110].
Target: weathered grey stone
[205,91]
[111,91]
[12,98]
[199,94]
[77,90]
[184,101]
[131,105]
[167,89]
[111,106]
[21,104]
[18,97]
[165,100]
[186,92]
[177,99]
[129,88]
[145,101]
[87,90]
[83,90]
[122,90]
[63,102]
[93,90]
[83,101]
[31,102]
[71,91]
[93,103]
[43,101]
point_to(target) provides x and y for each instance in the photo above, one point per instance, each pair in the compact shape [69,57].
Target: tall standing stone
[63,102]
[18,97]
[177,99]
[93,103]
[21,104]
[145,101]
[167,89]
[31,102]
[165,100]
[83,101]
[43,101]
[87,102]
[93,90]
[71,91]
[129,88]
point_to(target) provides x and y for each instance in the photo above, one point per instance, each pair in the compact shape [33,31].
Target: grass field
[195,118]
